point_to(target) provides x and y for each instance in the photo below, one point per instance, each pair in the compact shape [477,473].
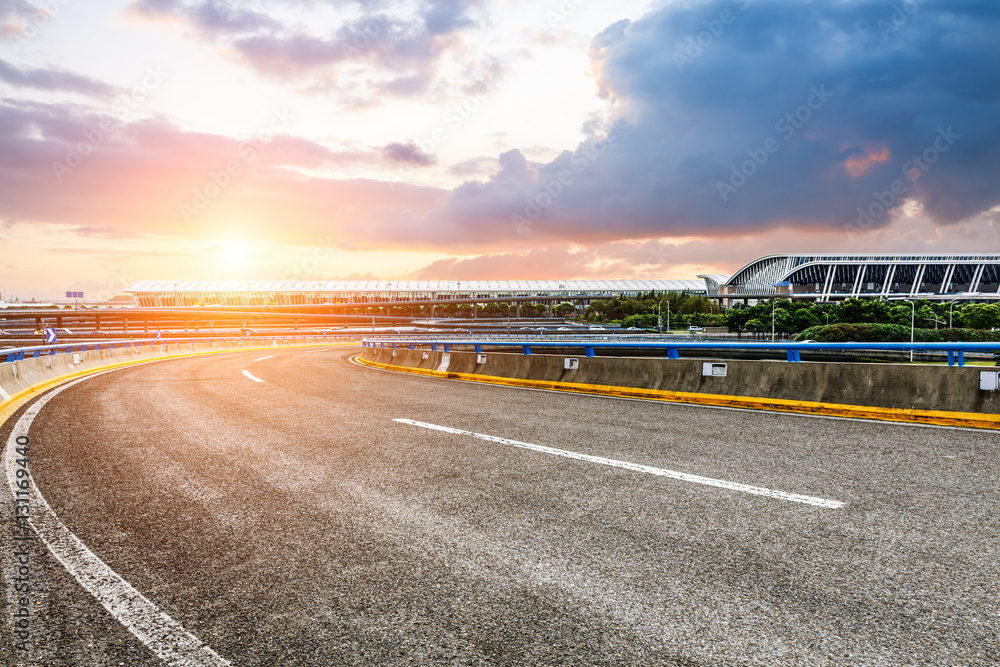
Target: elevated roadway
[292,508]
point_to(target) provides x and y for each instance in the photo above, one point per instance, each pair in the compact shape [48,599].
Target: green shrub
[893,333]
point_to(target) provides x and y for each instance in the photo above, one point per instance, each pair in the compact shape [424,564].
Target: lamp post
[827,318]
[950,310]
[913,321]
[772,320]
[668,316]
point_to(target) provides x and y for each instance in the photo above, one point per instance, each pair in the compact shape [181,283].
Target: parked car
[695,329]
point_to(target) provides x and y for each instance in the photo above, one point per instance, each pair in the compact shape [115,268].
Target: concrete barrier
[914,393]
[18,378]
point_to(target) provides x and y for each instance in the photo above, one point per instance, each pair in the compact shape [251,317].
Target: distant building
[838,277]
[801,277]
[158,294]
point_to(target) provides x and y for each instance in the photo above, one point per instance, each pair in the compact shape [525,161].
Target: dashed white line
[251,376]
[636,467]
[263,358]
[164,636]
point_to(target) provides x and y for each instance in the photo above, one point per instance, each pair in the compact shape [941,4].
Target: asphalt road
[294,522]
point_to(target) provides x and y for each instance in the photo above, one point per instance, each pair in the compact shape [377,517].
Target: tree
[564,309]
[980,315]
[755,325]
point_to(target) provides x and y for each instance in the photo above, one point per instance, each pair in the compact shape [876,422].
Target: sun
[235,252]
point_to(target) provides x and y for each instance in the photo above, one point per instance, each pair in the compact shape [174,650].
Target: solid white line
[697,479]
[263,358]
[4,395]
[161,634]
[252,376]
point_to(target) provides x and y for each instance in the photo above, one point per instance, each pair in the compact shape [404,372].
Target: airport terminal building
[801,277]
[839,277]
[167,294]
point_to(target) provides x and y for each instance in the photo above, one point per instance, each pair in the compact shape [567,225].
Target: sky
[486,139]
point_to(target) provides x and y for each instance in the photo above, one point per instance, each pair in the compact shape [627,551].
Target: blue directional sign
[74,295]
[50,336]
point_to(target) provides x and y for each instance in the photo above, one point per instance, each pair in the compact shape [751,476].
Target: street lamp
[668,316]
[950,310]
[827,318]
[913,321]
[772,320]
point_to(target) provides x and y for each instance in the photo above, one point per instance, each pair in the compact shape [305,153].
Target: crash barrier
[930,394]
[955,351]
[27,368]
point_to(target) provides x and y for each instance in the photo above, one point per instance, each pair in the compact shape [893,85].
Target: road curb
[930,417]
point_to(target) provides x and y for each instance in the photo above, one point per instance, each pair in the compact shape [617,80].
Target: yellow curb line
[935,417]
[11,405]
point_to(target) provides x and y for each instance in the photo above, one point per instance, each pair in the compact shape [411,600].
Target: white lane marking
[263,358]
[4,395]
[637,467]
[161,634]
[252,376]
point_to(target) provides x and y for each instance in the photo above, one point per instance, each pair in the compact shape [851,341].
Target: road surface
[272,505]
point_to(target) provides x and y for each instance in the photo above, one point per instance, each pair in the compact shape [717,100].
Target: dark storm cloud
[824,105]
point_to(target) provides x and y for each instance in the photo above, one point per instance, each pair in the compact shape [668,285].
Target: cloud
[819,103]
[54,79]
[780,114]
[137,177]
[104,233]
[399,50]
[408,153]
